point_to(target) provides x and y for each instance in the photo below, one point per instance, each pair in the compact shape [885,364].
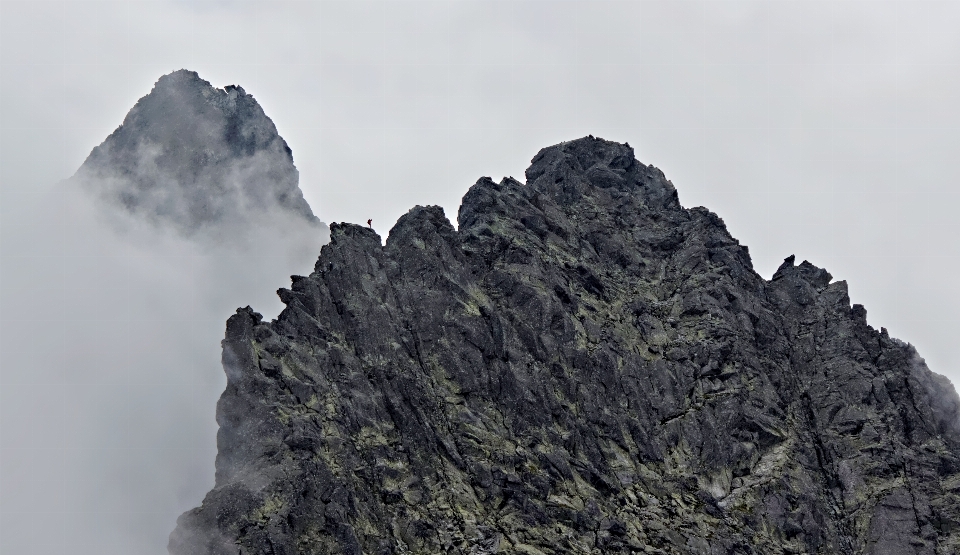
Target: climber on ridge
[369,224]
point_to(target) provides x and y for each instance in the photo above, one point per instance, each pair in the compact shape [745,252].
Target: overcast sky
[828,130]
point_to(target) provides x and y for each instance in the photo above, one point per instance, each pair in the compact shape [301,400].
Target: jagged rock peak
[191,156]
[583,366]
[599,163]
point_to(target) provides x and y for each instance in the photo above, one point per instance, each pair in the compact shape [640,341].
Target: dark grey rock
[584,366]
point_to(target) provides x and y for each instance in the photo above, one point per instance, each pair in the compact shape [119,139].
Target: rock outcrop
[195,158]
[583,366]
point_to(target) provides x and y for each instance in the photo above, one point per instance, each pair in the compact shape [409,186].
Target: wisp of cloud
[125,275]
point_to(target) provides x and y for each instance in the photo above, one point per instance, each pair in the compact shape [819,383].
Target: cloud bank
[123,279]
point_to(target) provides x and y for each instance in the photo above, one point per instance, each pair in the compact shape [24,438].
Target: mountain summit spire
[194,157]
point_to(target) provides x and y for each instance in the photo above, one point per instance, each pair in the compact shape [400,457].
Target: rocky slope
[584,366]
[195,158]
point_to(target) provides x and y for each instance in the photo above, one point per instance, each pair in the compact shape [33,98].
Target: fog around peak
[199,160]
[120,279]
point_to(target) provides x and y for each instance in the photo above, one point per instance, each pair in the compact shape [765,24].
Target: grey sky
[829,130]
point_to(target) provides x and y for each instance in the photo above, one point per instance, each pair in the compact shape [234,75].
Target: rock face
[585,366]
[195,158]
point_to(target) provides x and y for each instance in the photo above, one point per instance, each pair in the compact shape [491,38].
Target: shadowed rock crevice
[582,366]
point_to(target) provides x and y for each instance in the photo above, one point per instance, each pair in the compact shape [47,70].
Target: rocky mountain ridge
[583,366]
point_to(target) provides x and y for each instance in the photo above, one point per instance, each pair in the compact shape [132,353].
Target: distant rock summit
[196,158]
[583,366]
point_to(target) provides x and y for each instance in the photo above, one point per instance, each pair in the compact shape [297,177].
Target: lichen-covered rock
[584,366]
